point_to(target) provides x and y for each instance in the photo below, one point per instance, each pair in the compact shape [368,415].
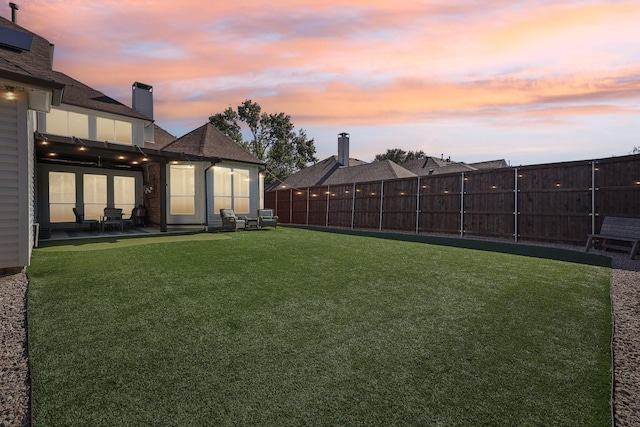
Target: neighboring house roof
[81,95]
[208,141]
[490,164]
[161,137]
[317,173]
[434,166]
[330,172]
[30,66]
[376,171]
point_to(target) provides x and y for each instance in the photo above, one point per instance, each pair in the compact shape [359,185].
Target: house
[66,145]
[26,88]
[341,169]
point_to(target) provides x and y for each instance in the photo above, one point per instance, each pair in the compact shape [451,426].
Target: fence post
[462,206]
[307,205]
[328,194]
[276,208]
[291,207]
[515,208]
[418,207]
[353,206]
[381,202]
[593,197]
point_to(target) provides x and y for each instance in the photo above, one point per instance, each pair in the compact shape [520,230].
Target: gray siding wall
[15,225]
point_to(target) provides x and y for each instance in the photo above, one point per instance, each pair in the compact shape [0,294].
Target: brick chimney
[343,149]
[142,102]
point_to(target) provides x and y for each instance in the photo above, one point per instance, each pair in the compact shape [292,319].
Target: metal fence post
[291,207]
[462,206]
[381,203]
[276,208]
[353,206]
[593,197]
[515,203]
[418,207]
[307,205]
[328,194]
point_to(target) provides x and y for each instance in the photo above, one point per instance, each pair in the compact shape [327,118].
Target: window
[113,130]
[67,123]
[231,189]
[182,190]
[241,190]
[124,193]
[62,196]
[95,195]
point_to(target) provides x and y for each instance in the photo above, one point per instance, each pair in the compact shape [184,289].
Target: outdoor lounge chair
[266,218]
[131,221]
[112,217]
[93,223]
[230,220]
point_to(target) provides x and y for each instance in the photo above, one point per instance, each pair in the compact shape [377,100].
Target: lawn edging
[529,250]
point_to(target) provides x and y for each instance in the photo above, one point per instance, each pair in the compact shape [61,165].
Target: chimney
[343,149]
[142,102]
[14,8]
[142,99]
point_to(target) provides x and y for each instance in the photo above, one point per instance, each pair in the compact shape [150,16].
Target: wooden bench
[616,230]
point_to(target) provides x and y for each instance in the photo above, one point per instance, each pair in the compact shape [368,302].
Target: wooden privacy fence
[560,202]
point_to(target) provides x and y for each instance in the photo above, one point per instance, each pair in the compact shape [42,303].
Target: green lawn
[295,327]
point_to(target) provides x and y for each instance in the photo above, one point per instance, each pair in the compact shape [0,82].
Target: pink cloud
[355,61]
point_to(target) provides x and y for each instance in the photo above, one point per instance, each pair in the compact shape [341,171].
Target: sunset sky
[527,81]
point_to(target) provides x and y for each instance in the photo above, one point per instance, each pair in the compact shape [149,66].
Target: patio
[68,234]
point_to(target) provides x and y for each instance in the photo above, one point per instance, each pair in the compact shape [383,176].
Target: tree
[273,139]
[399,156]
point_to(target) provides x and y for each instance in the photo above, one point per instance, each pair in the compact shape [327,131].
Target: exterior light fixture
[11,95]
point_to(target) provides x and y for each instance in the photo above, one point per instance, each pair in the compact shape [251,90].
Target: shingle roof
[317,173]
[161,137]
[208,141]
[81,95]
[31,66]
[490,164]
[330,172]
[434,166]
[375,171]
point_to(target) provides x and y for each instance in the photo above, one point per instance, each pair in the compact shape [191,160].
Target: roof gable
[80,95]
[208,141]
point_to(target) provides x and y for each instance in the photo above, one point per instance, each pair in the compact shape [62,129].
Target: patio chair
[266,218]
[112,217]
[230,220]
[93,223]
[131,221]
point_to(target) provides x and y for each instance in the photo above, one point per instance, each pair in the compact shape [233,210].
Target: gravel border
[15,380]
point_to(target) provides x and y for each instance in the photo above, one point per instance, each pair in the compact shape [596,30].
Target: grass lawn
[296,327]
